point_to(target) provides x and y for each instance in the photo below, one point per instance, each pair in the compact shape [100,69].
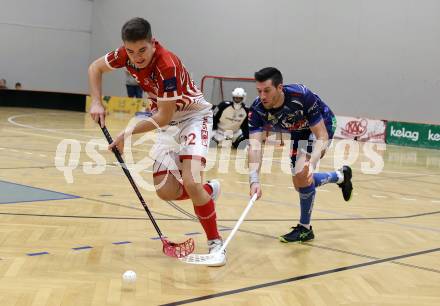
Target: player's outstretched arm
[96,69]
[320,145]
[163,116]
[254,160]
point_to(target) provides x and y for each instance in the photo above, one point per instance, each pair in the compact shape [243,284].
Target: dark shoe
[346,186]
[298,234]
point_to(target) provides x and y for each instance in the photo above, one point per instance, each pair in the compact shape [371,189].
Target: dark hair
[136,29]
[18,84]
[269,73]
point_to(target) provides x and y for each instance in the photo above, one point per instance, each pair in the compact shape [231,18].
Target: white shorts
[187,139]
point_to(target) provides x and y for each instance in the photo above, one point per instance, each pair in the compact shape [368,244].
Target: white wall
[375,58]
[45,44]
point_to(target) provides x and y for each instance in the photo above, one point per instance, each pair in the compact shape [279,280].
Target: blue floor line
[37,254]
[193,233]
[82,248]
[121,242]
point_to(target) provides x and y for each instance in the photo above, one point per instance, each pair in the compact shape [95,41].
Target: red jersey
[165,78]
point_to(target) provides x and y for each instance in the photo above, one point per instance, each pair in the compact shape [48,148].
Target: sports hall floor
[69,243]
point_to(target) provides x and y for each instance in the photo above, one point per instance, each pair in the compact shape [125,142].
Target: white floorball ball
[129,276]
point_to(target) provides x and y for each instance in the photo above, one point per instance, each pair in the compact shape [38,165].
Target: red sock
[208,188]
[207,216]
[184,195]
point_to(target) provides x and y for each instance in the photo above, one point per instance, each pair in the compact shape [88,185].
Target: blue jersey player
[311,123]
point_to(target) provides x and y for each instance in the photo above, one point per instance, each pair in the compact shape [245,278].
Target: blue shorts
[303,142]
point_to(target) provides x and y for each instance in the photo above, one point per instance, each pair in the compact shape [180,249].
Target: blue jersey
[301,110]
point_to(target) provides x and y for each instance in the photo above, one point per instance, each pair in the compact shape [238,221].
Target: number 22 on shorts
[190,139]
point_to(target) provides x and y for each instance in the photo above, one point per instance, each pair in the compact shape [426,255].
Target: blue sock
[306,199]
[322,178]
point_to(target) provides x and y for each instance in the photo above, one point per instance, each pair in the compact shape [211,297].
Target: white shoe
[216,189]
[214,247]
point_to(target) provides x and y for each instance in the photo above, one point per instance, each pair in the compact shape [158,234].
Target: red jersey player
[181,112]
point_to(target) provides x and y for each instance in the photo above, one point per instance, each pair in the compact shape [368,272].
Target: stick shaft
[239,222]
[130,179]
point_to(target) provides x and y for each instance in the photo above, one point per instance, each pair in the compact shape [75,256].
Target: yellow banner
[121,104]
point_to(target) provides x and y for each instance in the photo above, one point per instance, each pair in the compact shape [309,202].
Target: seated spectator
[18,86]
[3,84]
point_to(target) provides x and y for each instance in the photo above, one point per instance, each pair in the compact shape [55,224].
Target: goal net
[219,88]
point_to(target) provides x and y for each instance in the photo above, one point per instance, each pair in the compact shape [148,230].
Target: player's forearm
[95,83]
[321,142]
[319,147]
[156,121]
[254,160]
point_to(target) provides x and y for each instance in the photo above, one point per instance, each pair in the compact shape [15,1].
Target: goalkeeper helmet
[238,95]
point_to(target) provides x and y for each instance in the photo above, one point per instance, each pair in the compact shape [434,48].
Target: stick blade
[178,250]
[213,259]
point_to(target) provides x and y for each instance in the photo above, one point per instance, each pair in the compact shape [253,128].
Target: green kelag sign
[413,134]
